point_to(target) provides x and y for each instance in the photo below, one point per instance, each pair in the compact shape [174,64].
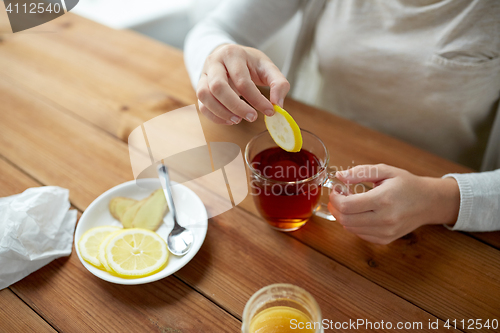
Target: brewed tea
[286,200]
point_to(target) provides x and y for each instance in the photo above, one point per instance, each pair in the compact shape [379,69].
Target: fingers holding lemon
[284,130]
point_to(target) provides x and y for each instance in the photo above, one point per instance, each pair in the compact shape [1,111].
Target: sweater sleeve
[479,201]
[245,22]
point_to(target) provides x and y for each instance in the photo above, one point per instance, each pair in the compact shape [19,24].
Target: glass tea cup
[286,187]
[281,308]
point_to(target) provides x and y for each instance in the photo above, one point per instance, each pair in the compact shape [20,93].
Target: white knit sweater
[425,71]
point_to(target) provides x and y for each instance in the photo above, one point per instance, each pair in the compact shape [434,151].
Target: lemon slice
[90,241]
[102,250]
[284,130]
[135,253]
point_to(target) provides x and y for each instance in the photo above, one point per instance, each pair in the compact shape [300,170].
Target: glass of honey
[286,186]
[281,308]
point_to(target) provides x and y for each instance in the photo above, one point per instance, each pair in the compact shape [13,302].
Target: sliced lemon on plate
[136,252]
[90,241]
[284,130]
[102,251]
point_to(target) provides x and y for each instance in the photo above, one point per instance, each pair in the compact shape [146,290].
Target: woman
[425,71]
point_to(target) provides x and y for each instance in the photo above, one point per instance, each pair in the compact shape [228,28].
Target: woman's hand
[231,71]
[399,203]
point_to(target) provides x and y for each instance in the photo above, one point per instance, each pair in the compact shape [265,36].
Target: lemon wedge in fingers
[284,130]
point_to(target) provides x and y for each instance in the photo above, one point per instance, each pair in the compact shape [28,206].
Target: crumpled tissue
[36,227]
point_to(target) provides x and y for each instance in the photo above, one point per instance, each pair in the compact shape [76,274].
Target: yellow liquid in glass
[280,319]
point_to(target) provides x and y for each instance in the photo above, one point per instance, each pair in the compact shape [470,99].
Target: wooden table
[70,93]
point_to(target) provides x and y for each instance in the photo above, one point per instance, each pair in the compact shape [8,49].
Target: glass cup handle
[332,183]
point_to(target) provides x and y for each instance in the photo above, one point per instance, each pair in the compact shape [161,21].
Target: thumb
[366,173]
[277,82]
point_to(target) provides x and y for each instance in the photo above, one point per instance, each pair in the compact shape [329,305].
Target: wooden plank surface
[16,316]
[115,74]
[116,88]
[120,92]
[364,146]
[71,299]
[240,255]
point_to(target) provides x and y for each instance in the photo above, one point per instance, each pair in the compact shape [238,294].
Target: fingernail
[229,122]
[269,113]
[251,116]
[235,119]
[281,102]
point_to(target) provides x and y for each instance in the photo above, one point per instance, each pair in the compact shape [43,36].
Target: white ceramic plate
[191,213]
